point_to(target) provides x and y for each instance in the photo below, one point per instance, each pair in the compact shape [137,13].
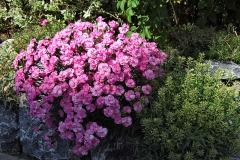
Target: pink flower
[104,69]
[102,25]
[127,109]
[146,89]
[91,107]
[137,106]
[126,121]
[100,18]
[96,90]
[61,113]
[57,91]
[84,69]
[149,74]
[108,112]
[113,24]
[101,132]
[110,100]
[49,123]
[130,83]
[129,95]
[44,22]
[73,82]
[100,102]
[119,90]
[124,29]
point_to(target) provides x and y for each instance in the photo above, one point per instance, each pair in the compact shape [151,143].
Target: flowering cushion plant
[83,68]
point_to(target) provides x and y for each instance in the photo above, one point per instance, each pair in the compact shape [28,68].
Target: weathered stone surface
[33,143]
[116,149]
[9,130]
[233,69]
[7,41]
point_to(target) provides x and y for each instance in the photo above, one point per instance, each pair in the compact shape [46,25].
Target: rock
[7,41]
[116,149]
[233,69]
[9,130]
[33,143]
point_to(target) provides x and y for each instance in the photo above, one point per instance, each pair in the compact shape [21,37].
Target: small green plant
[191,40]
[22,38]
[8,95]
[193,116]
[225,46]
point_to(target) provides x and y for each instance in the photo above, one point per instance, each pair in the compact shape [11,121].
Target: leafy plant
[7,73]
[194,116]
[225,46]
[191,40]
[22,38]
[18,14]
[152,19]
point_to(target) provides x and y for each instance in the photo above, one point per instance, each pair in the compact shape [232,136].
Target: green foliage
[149,18]
[7,93]
[218,12]
[225,46]
[22,38]
[18,14]
[191,40]
[194,116]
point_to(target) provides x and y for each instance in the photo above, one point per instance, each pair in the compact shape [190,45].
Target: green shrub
[18,14]
[8,95]
[22,38]
[191,40]
[193,116]
[225,46]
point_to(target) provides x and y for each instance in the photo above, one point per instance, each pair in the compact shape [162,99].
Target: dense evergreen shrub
[194,116]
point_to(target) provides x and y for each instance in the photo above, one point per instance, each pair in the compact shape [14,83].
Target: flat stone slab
[233,69]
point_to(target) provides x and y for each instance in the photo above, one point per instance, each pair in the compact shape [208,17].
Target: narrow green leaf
[118,4]
[129,18]
[147,32]
[129,3]
[128,34]
[122,5]
[134,3]
[133,28]
[129,12]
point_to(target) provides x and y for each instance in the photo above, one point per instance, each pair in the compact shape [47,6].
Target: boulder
[112,149]
[9,130]
[34,144]
[233,69]
[7,41]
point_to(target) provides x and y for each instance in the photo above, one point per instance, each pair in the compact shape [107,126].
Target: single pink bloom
[44,22]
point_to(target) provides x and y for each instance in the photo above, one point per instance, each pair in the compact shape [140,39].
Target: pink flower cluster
[88,67]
